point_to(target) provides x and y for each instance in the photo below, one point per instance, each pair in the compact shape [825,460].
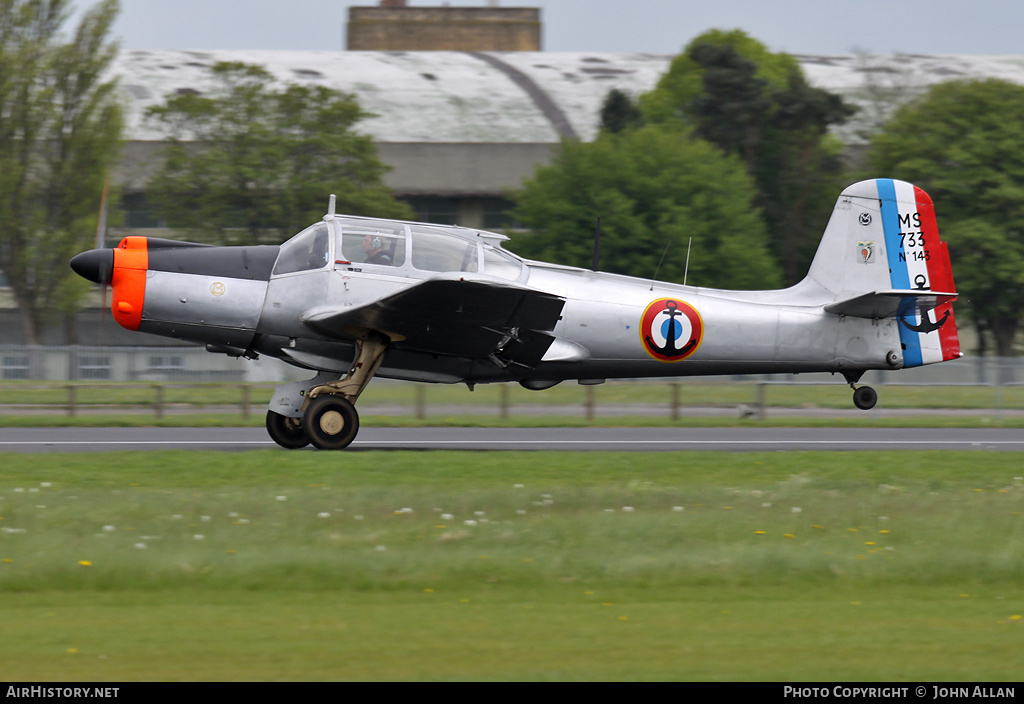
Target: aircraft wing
[475,318]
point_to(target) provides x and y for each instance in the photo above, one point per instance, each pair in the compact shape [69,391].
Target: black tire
[865,398]
[331,422]
[286,432]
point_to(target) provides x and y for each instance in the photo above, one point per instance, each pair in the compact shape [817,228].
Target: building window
[498,214]
[434,209]
[139,212]
[93,367]
[16,367]
[165,364]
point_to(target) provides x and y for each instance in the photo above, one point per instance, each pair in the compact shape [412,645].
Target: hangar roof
[517,97]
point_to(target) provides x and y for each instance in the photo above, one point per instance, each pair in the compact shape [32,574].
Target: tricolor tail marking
[918,261]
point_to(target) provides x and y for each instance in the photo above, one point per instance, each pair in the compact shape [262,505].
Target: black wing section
[465,318]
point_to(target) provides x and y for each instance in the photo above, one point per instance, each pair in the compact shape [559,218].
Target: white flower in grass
[447,516]
[323,514]
[109,529]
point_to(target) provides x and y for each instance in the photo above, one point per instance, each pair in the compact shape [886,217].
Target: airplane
[350,298]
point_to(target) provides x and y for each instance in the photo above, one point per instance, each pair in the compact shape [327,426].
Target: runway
[531,439]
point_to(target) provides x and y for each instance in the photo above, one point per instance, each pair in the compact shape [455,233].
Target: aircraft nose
[96,265]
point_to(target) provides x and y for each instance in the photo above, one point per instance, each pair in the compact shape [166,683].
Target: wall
[443,29]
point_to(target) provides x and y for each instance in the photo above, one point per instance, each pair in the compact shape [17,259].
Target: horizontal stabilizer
[888,304]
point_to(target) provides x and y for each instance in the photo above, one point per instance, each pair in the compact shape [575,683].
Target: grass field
[270,565]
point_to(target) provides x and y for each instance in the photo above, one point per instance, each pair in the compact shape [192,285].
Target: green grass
[659,566]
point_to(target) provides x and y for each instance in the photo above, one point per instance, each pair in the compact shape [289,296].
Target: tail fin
[881,257]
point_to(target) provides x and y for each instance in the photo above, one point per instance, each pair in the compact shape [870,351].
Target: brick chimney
[394,26]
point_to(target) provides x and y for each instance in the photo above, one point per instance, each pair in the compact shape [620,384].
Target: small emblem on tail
[866,250]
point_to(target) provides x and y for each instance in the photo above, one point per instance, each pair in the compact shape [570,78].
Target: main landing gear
[864,397]
[329,419]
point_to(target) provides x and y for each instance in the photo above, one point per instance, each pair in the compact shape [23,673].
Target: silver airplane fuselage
[350,298]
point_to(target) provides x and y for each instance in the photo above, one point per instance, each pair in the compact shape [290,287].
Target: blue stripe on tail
[898,274]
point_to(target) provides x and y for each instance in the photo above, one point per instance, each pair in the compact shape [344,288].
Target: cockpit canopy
[402,248]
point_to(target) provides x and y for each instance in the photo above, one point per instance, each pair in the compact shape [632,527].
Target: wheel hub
[332,423]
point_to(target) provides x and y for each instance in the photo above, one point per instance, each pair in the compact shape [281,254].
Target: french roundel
[671,330]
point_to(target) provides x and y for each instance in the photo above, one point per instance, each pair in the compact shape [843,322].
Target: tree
[733,92]
[248,163]
[963,143]
[652,188]
[619,112]
[60,130]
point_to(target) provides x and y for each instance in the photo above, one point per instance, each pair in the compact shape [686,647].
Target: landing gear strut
[864,397]
[329,419]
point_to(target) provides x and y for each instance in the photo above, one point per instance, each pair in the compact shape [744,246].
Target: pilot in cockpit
[375,253]
[317,256]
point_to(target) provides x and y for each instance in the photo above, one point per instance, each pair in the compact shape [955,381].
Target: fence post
[72,401]
[503,401]
[421,402]
[158,401]
[759,399]
[245,401]
[675,400]
[589,403]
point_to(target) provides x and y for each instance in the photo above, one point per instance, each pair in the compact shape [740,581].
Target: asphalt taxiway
[586,439]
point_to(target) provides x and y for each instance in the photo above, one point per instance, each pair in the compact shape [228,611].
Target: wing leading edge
[462,317]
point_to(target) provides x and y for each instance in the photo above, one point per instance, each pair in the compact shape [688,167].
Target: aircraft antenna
[331,205]
[597,245]
[686,269]
[660,261]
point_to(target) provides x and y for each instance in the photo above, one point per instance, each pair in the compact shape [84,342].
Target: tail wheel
[865,398]
[286,432]
[331,422]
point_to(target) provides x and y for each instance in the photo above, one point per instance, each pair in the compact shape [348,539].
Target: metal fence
[172,380]
[143,364]
[195,364]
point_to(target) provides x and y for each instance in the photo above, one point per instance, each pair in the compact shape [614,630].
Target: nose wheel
[864,397]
